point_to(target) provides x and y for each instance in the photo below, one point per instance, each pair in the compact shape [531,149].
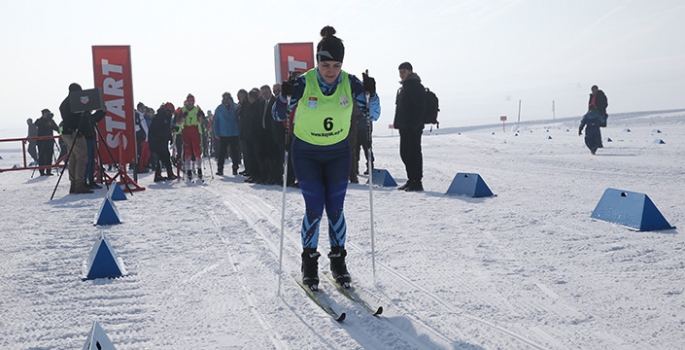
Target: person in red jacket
[192,120]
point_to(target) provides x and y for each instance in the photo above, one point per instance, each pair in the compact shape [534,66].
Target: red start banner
[293,57]
[112,72]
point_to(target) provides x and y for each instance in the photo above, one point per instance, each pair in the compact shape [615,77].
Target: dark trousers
[32,150]
[90,164]
[45,153]
[248,156]
[410,152]
[364,142]
[226,142]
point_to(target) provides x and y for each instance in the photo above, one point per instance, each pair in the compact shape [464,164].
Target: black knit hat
[74,87]
[407,66]
[330,48]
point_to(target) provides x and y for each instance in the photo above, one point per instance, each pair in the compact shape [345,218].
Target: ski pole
[285,179]
[369,164]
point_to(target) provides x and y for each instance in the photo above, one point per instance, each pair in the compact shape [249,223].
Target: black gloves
[369,83]
[288,88]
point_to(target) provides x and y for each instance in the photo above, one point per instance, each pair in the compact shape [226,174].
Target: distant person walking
[410,106]
[600,101]
[591,122]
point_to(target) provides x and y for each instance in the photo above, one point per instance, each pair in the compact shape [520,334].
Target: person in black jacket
[600,101]
[410,106]
[87,128]
[159,137]
[244,113]
[74,124]
[46,125]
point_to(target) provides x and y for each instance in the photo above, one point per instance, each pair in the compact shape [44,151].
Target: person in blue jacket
[226,129]
[591,122]
[320,149]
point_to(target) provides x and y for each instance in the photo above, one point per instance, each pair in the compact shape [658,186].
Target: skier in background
[192,118]
[320,150]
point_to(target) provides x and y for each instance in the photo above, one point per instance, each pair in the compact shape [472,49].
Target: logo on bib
[344,101]
[312,102]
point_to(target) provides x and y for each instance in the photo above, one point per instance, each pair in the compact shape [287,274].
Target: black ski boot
[170,175]
[310,268]
[199,174]
[338,266]
[190,175]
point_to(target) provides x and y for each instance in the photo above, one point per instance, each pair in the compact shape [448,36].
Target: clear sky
[480,56]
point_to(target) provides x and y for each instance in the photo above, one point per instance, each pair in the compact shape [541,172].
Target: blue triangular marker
[659,141]
[632,209]
[103,262]
[97,339]
[469,184]
[382,177]
[107,214]
[115,192]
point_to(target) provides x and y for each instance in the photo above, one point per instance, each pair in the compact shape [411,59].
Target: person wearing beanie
[192,120]
[74,124]
[160,137]
[410,106]
[226,129]
[45,125]
[324,98]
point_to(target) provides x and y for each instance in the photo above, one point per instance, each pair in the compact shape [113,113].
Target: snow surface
[526,269]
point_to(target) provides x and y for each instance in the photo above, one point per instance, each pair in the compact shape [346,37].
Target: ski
[351,294]
[324,306]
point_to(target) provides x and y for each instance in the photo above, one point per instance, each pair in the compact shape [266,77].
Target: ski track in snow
[527,269]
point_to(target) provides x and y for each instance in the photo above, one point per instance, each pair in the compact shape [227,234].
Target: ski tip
[341,317]
[379,311]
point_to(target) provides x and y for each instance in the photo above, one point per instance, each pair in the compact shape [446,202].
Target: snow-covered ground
[526,269]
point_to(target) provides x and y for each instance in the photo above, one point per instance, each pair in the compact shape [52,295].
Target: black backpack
[432,109]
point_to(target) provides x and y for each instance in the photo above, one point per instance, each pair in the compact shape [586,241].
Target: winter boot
[310,268]
[159,177]
[190,175]
[81,188]
[403,187]
[170,175]
[220,171]
[199,174]
[72,188]
[235,170]
[338,266]
[415,186]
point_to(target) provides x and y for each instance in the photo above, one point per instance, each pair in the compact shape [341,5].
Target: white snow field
[525,269]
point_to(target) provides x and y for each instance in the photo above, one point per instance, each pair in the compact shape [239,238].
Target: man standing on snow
[45,125]
[33,132]
[226,130]
[159,138]
[76,143]
[410,106]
